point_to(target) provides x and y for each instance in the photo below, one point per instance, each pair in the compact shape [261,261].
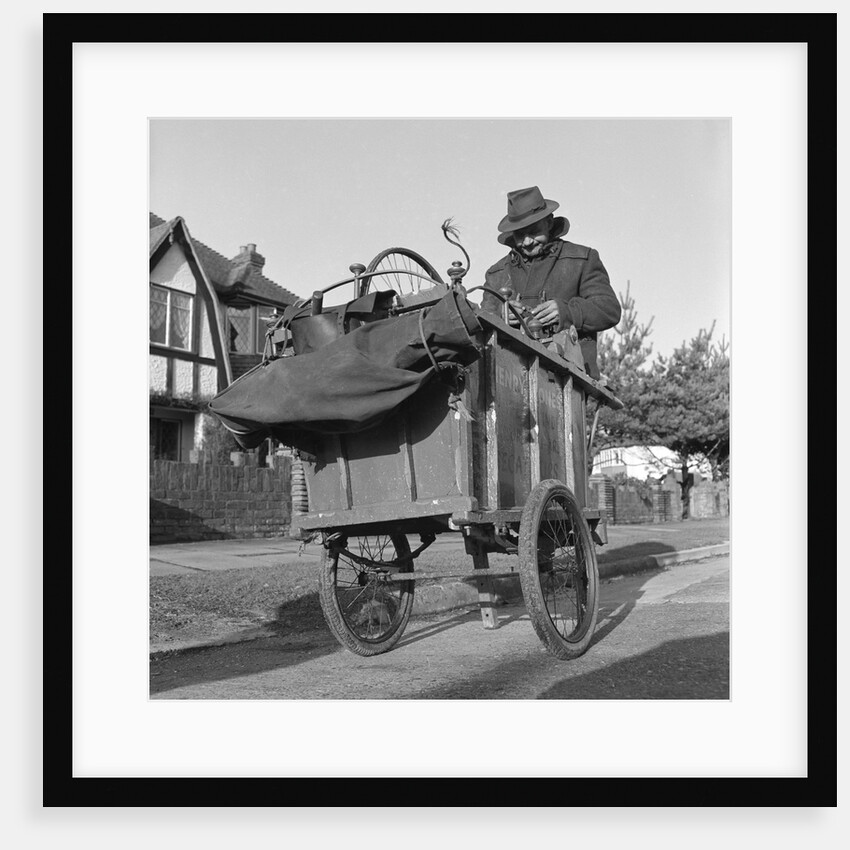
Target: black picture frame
[817,31]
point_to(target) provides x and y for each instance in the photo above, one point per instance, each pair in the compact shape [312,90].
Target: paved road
[661,635]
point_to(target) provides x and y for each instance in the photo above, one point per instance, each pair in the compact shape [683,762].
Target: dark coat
[572,275]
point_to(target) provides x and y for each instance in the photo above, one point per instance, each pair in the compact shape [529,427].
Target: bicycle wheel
[558,570]
[402,270]
[365,612]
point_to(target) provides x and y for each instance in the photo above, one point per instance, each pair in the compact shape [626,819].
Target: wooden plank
[385,512]
[375,466]
[406,456]
[476,402]
[322,477]
[506,335]
[344,472]
[568,432]
[533,422]
[432,432]
[463,450]
[491,431]
[550,411]
[486,596]
[579,432]
[512,427]
[485,517]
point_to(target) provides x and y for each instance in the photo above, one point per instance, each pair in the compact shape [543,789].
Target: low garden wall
[206,501]
[631,501]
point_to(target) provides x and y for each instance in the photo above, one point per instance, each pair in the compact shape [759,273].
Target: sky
[653,196]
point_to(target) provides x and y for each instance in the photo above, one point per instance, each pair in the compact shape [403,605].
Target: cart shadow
[680,669]
[301,636]
[416,632]
[299,633]
[611,613]
[220,663]
[641,549]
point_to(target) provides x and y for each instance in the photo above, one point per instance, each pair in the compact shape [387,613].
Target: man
[563,283]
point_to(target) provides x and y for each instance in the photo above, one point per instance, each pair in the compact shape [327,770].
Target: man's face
[530,240]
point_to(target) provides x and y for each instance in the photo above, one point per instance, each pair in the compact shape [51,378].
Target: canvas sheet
[354,382]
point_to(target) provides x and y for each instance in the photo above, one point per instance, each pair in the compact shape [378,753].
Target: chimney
[248,255]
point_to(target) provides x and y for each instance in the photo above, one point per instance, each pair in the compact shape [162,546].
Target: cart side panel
[512,425]
[550,423]
[376,465]
[437,447]
[418,455]
[323,478]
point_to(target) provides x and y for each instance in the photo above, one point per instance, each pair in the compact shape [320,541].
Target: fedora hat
[525,206]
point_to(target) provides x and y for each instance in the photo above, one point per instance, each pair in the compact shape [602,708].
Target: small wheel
[558,570]
[403,270]
[366,613]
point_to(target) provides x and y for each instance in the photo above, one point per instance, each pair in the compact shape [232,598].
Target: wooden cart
[512,478]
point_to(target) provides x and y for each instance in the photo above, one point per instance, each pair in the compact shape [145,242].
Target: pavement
[432,596]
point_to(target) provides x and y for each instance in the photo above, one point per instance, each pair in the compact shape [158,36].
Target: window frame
[169,292]
[257,337]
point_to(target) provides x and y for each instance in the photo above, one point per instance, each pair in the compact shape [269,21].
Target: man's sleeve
[596,307]
[495,278]
[491,304]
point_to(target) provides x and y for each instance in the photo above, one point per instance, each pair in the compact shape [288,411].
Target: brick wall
[709,499]
[203,501]
[631,502]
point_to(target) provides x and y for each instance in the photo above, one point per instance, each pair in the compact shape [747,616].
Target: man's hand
[546,313]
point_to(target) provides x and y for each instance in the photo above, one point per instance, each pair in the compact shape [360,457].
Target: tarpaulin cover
[352,383]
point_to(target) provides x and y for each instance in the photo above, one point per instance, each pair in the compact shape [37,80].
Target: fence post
[603,488]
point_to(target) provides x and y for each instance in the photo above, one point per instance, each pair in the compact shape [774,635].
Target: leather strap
[340,319]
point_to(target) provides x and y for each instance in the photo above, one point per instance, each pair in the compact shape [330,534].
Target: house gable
[195,367]
[238,297]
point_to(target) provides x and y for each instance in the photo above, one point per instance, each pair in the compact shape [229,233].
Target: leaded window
[159,315]
[246,328]
[240,322]
[170,318]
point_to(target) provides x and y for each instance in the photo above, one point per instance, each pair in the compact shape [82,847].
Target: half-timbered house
[208,317]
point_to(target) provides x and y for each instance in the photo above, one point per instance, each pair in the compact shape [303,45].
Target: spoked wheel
[365,612]
[558,570]
[403,270]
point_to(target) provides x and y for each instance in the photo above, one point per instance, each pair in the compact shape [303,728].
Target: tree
[680,402]
[623,355]
[685,406]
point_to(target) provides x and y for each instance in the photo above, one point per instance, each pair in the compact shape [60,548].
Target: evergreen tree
[623,355]
[686,405]
[680,402]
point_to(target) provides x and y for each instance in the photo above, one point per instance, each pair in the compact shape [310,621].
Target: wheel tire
[402,260]
[558,570]
[364,613]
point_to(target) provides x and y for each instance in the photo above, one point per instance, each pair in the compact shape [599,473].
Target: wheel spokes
[401,271]
[562,566]
[369,605]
